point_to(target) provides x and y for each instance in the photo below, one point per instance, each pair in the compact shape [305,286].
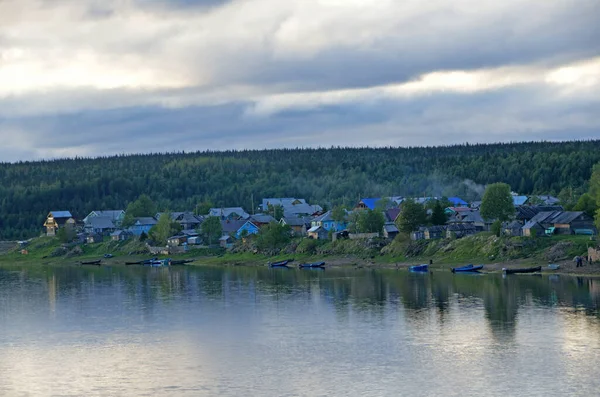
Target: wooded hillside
[179,181]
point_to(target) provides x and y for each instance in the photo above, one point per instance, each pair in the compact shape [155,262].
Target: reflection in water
[259,331]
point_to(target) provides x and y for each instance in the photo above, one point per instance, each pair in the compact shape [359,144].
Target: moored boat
[280,263]
[419,268]
[470,268]
[97,263]
[311,265]
[522,270]
[181,262]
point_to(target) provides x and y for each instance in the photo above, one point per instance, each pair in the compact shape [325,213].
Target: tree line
[330,177]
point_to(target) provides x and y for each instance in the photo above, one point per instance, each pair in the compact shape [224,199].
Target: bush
[307,246]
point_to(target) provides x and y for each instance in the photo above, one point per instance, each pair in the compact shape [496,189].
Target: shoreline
[566,267]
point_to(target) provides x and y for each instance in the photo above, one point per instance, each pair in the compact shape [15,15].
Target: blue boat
[158,262]
[467,269]
[419,268]
[280,263]
[311,265]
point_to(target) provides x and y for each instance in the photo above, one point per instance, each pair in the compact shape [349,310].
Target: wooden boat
[181,262]
[280,263]
[523,270]
[133,263]
[419,268]
[313,265]
[96,263]
[467,269]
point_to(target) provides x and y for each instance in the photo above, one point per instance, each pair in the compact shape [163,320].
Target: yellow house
[56,220]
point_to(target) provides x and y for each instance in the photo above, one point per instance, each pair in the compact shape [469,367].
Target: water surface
[206,331]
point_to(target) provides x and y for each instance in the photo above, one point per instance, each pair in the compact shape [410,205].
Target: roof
[189,232]
[224,238]
[61,214]
[226,212]
[323,218]
[460,226]
[457,201]
[532,224]
[301,209]
[554,217]
[519,200]
[370,202]
[145,220]
[314,229]
[119,232]
[283,201]
[437,228]
[390,228]
[549,200]
[262,218]
[513,225]
[100,222]
[112,214]
[296,221]
[232,226]
[392,214]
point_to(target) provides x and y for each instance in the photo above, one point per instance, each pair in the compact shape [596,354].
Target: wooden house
[390,230]
[299,225]
[116,216]
[94,238]
[434,232]
[99,225]
[560,222]
[230,213]
[56,220]
[460,230]
[318,233]
[142,225]
[226,241]
[120,235]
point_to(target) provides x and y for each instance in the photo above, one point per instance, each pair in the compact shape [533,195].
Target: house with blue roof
[367,204]
[458,202]
[326,222]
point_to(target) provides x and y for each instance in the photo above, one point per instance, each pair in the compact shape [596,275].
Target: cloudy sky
[97,77]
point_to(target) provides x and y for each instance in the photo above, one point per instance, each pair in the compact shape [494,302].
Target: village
[533,216]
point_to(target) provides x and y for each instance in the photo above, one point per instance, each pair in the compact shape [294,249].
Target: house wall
[594,254]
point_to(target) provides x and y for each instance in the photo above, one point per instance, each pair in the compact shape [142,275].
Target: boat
[280,263]
[419,268]
[181,262]
[158,262]
[96,263]
[467,269]
[133,263]
[553,266]
[522,270]
[108,256]
[309,265]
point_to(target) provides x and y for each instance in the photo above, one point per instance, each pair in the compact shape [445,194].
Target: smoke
[474,187]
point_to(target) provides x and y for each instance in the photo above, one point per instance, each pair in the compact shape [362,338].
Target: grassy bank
[484,248]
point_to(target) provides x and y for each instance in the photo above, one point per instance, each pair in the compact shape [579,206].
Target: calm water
[125,331]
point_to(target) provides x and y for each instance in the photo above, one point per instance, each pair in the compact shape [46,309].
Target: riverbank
[493,252]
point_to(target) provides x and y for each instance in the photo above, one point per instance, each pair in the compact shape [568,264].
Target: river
[248,331]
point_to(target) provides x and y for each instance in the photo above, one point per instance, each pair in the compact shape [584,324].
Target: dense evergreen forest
[179,181]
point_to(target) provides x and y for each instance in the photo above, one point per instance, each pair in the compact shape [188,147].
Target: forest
[325,176]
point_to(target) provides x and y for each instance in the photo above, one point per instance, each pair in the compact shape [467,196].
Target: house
[177,240]
[292,207]
[476,204]
[548,200]
[226,241]
[470,217]
[514,228]
[418,234]
[458,202]
[390,230]
[187,220]
[434,232]
[56,220]
[460,230]
[194,240]
[525,213]
[94,238]
[120,235]
[318,233]
[99,225]
[247,229]
[299,225]
[327,223]
[231,213]
[561,222]
[532,228]
[261,220]
[116,216]
[142,225]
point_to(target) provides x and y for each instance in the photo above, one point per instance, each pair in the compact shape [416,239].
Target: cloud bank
[91,77]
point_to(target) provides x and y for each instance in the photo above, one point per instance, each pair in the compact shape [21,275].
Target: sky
[104,77]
